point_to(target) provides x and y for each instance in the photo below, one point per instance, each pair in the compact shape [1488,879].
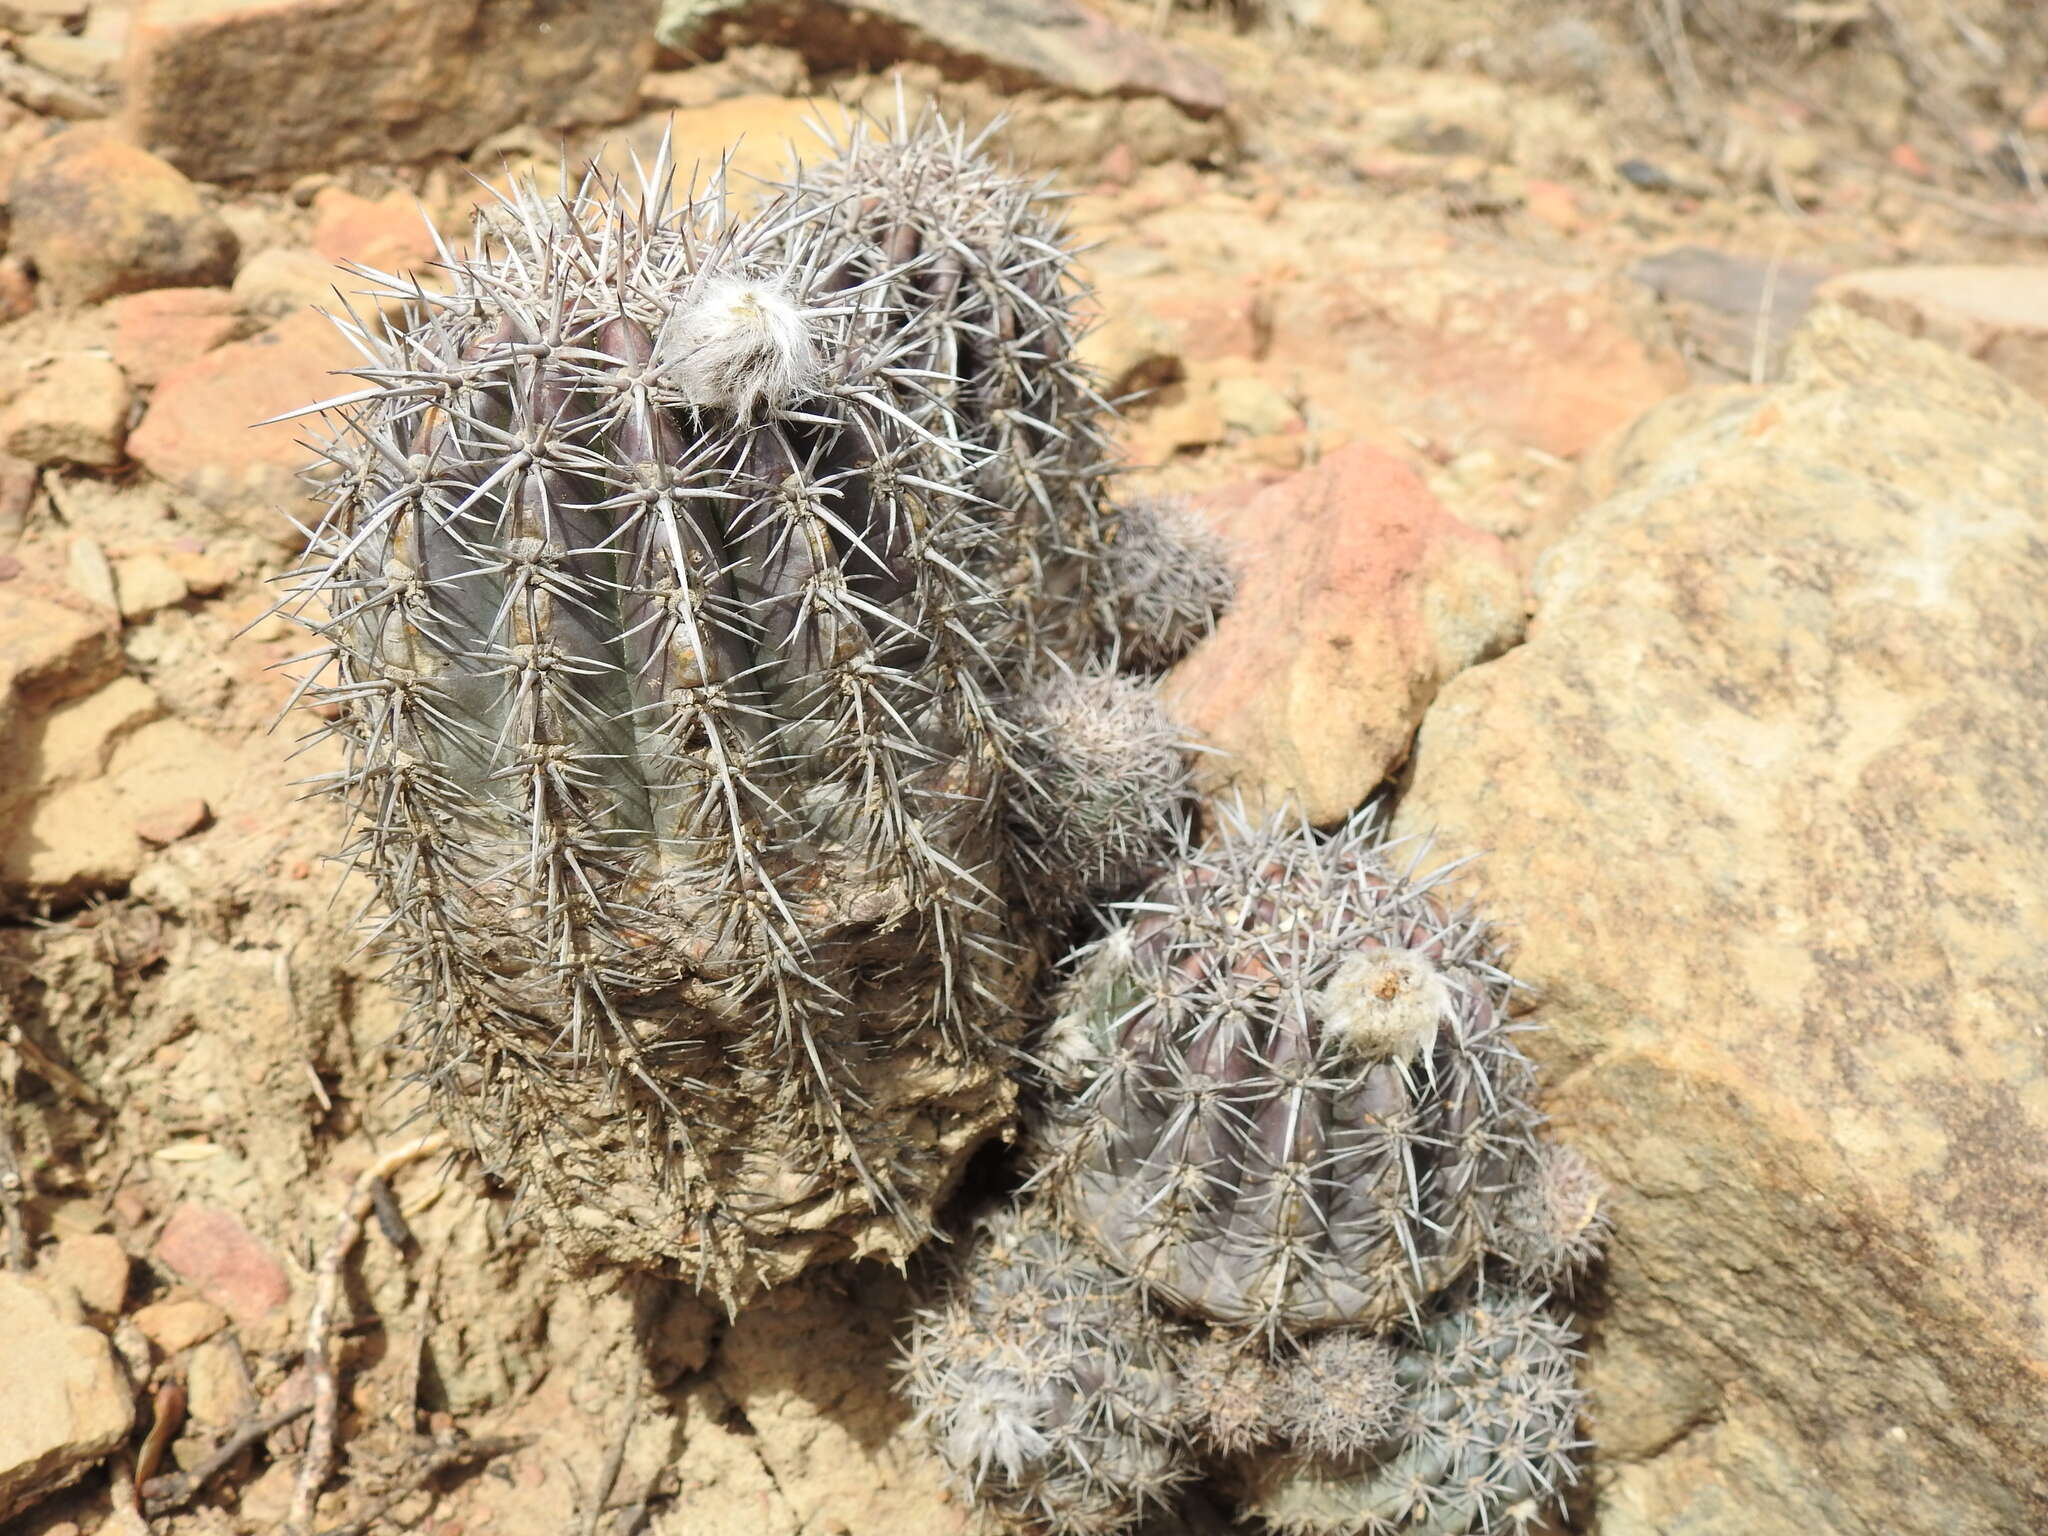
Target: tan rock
[73,410]
[1133,348]
[284,280]
[1358,597]
[79,737]
[17,289]
[100,217]
[1763,795]
[159,332]
[146,583]
[809,1367]
[64,1402]
[1998,315]
[322,83]
[1253,406]
[199,432]
[217,1385]
[178,1322]
[758,138]
[168,822]
[95,1266]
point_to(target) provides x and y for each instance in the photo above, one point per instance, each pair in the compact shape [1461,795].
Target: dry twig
[449,1452]
[319,1457]
[164,1494]
[608,1476]
[13,1193]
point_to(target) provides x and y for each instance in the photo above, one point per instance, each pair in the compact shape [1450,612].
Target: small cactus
[1045,1385]
[1303,1106]
[1171,576]
[1554,1223]
[1485,1439]
[681,578]
[1100,801]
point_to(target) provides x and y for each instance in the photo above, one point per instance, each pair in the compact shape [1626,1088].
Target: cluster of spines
[1047,1389]
[1304,1104]
[694,588]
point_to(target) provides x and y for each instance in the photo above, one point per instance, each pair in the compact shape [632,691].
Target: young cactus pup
[677,625]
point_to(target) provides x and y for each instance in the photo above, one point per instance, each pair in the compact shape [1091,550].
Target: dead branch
[608,1475]
[164,1494]
[318,1461]
[446,1453]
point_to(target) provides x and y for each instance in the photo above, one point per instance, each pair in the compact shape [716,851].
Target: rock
[199,432]
[146,583]
[1765,796]
[1530,359]
[95,1266]
[90,573]
[389,233]
[178,1322]
[1716,298]
[100,217]
[216,1385]
[1133,348]
[1253,406]
[164,824]
[809,1368]
[323,83]
[17,289]
[63,1400]
[285,280]
[211,1249]
[17,490]
[1059,43]
[73,410]
[1358,597]
[159,332]
[758,139]
[1998,315]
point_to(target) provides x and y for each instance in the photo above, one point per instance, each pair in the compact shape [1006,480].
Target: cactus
[1303,1106]
[1099,801]
[1045,1385]
[1228,1392]
[1486,1437]
[1554,1223]
[680,577]
[1170,576]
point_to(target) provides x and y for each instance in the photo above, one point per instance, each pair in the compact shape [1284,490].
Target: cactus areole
[679,577]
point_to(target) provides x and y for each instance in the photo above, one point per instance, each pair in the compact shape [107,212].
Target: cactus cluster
[1283,1105]
[709,604]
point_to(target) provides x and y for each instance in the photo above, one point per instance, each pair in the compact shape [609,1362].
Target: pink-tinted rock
[232,88]
[388,233]
[1359,595]
[165,824]
[1547,364]
[159,332]
[199,432]
[211,1250]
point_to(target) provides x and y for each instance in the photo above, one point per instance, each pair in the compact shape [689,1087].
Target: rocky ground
[1592,488]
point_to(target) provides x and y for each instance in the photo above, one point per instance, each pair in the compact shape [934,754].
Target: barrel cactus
[686,581]
[1301,1106]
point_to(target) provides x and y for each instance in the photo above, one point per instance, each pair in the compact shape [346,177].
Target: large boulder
[1766,791]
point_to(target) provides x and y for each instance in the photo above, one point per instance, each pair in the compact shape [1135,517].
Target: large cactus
[1302,1106]
[684,578]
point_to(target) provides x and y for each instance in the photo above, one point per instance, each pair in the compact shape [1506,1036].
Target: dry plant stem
[13,1190]
[165,1494]
[445,1454]
[319,1457]
[608,1478]
[170,1413]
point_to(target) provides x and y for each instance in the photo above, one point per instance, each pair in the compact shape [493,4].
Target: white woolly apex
[994,1426]
[740,344]
[1385,1004]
